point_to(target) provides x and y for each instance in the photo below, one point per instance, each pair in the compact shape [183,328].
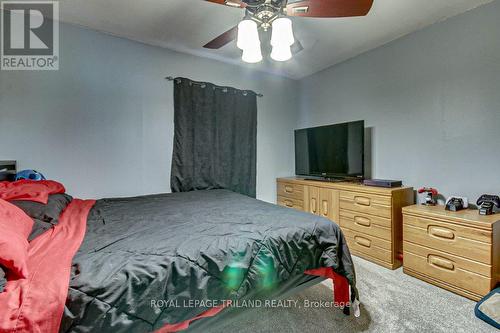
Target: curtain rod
[170,78]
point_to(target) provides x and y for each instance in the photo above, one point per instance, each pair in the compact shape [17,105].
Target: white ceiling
[186,25]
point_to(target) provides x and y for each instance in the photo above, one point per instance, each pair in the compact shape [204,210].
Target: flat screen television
[334,151]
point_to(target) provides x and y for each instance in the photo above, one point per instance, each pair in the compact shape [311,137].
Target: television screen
[331,151]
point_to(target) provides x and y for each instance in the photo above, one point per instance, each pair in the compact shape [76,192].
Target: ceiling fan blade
[223,39]
[296,47]
[230,3]
[328,8]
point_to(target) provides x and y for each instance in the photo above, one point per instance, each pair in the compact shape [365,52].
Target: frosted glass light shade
[248,35]
[252,55]
[282,32]
[281,53]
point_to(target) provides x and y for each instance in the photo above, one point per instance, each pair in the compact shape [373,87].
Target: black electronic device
[455,204]
[486,203]
[383,183]
[7,170]
[334,151]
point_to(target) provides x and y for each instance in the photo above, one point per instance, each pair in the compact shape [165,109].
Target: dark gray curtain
[215,139]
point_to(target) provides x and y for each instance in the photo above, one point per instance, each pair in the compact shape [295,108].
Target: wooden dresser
[370,217]
[458,251]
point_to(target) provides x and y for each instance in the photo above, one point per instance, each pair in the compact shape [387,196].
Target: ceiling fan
[262,15]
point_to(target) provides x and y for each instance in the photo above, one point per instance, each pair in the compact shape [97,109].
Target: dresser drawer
[368,245]
[462,241]
[291,190]
[366,203]
[365,223]
[447,268]
[291,203]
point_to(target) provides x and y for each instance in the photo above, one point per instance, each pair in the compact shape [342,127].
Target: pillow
[32,190]
[15,227]
[47,213]
[3,280]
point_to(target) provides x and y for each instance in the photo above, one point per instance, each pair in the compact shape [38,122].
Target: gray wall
[103,123]
[432,100]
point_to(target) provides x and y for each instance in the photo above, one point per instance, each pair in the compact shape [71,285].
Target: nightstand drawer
[290,190]
[462,241]
[368,245]
[366,203]
[447,268]
[291,203]
[365,223]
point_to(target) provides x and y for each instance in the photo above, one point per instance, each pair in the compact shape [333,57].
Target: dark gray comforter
[202,245]
[3,280]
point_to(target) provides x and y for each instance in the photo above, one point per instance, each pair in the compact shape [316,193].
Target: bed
[178,261]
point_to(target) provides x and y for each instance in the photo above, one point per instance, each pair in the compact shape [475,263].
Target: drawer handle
[313,205]
[441,262]
[441,232]
[288,189]
[362,201]
[363,241]
[288,203]
[362,221]
[325,208]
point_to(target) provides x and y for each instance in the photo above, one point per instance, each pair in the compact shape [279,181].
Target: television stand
[370,217]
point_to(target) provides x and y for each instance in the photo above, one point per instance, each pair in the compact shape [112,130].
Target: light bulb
[252,55]
[281,52]
[282,32]
[248,35]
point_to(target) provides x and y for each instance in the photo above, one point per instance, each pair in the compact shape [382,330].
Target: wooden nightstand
[458,251]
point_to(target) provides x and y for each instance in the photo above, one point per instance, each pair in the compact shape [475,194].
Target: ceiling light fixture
[282,32]
[281,53]
[252,55]
[249,42]
[248,35]
[282,39]
[267,14]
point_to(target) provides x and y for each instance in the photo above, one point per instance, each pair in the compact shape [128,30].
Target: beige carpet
[391,302]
